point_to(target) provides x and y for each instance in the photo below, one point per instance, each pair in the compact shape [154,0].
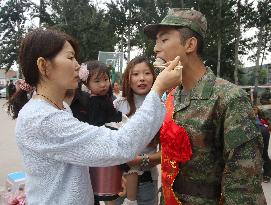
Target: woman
[57,149]
[138,79]
[116,90]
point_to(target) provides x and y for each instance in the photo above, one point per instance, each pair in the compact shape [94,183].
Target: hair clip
[83,72]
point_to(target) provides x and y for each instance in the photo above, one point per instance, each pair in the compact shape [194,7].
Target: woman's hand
[123,185]
[169,77]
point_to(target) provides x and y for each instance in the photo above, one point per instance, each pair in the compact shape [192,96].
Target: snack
[159,63]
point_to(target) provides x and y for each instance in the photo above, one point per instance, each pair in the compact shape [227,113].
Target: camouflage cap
[180,17]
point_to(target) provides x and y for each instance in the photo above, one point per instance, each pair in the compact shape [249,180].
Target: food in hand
[159,63]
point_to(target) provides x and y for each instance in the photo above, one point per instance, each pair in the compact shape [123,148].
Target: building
[6,76]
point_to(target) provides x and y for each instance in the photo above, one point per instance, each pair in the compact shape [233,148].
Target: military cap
[180,17]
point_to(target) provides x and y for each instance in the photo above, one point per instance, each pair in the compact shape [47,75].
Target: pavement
[11,161]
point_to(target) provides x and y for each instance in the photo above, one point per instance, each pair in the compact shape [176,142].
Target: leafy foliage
[86,24]
[12,27]
[121,26]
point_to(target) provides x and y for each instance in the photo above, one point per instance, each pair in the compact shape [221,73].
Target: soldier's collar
[204,87]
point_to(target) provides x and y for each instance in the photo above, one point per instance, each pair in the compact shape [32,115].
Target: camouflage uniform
[176,17]
[226,146]
[218,117]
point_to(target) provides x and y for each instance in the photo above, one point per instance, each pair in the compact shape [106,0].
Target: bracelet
[145,160]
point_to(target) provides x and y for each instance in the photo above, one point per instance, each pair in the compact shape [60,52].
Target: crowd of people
[204,132]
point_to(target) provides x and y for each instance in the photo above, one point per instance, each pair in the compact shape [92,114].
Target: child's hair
[46,43]
[98,68]
[127,91]
[81,95]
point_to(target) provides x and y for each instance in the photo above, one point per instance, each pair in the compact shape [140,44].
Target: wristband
[145,160]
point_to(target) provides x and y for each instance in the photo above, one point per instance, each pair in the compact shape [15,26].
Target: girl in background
[96,78]
[142,178]
[116,90]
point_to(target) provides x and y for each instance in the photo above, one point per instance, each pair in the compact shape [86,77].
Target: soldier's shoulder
[228,90]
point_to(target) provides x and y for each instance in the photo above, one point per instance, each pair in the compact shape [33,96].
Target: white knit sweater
[57,149]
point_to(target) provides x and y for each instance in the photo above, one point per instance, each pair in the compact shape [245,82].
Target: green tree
[219,42]
[83,21]
[153,11]
[12,27]
[126,17]
[247,75]
[261,20]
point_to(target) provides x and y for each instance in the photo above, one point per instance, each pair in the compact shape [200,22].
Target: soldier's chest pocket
[199,127]
[197,118]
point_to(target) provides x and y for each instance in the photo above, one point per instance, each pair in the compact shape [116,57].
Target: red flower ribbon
[176,149]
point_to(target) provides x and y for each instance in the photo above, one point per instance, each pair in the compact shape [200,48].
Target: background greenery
[119,27]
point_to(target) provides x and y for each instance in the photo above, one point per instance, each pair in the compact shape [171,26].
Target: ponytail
[16,102]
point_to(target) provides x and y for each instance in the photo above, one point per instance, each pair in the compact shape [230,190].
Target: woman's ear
[42,66]
[191,45]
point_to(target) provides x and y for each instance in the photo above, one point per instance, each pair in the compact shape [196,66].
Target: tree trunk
[182,3]
[237,36]
[128,45]
[218,56]
[129,40]
[18,25]
[41,10]
[219,43]
[257,69]
[121,46]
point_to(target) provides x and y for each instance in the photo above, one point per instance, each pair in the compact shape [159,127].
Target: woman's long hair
[127,91]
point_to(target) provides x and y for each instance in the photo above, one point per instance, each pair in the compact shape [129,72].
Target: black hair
[46,43]
[98,68]
[127,91]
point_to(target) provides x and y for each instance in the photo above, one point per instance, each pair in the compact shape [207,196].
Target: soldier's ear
[191,45]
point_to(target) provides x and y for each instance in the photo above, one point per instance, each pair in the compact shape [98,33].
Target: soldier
[226,164]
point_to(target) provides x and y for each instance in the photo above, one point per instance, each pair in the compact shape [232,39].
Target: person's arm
[155,141]
[154,159]
[242,176]
[64,138]
[61,137]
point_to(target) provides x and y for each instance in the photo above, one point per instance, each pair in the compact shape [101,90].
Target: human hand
[170,77]
[123,185]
